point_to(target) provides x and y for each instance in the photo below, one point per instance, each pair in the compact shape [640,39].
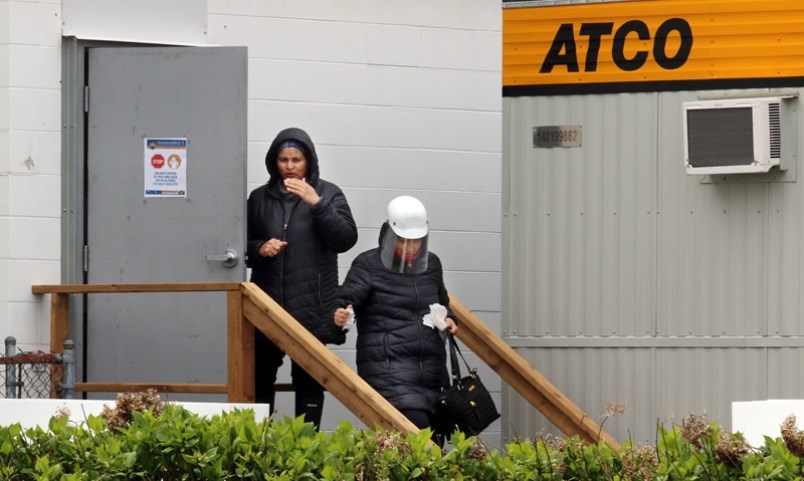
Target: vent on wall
[733,136]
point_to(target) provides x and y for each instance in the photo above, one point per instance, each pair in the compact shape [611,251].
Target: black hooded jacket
[303,278]
[398,355]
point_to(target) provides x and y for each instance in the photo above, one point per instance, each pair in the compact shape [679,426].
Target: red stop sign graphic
[158,161]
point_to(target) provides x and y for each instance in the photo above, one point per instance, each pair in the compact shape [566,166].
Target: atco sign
[649,45]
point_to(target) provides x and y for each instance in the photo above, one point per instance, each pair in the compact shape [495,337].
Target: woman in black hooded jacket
[297,225]
[391,291]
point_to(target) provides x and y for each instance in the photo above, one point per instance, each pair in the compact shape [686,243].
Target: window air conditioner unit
[732,136]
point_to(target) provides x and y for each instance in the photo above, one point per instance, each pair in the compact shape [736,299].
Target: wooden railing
[249,306]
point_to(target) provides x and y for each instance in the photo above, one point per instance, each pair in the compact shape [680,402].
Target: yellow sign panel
[661,42]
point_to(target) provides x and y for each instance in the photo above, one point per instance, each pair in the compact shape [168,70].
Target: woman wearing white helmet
[394,291]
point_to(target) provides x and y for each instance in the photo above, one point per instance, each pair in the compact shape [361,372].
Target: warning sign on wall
[165,165]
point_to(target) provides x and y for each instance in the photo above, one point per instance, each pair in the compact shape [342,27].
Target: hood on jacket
[383,232]
[300,136]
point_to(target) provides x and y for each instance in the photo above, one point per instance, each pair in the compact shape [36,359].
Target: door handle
[229,259]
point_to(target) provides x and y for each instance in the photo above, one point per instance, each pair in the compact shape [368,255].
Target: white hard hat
[407,217]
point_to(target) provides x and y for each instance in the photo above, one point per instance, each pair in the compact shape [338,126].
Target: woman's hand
[341,316]
[272,247]
[301,188]
[451,326]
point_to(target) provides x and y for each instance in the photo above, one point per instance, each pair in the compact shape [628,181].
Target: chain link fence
[30,375]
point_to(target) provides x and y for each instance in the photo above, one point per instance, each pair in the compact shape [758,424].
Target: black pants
[309,394]
[425,419]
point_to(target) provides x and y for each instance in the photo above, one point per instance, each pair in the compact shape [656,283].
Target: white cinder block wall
[400,98]
[30,156]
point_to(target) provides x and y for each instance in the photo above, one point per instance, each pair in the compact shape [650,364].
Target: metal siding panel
[689,255]
[638,233]
[707,381]
[711,245]
[784,382]
[591,378]
[785,313]
[570,217]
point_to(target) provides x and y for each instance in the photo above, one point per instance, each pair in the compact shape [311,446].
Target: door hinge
[86,98]
[86,258]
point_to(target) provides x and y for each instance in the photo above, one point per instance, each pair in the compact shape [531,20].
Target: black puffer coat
[303,278]
[398,355]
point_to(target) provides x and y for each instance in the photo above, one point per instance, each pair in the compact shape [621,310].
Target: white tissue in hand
[350,319]
[436,318]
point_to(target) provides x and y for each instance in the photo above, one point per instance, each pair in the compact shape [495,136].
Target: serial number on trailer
[549,136]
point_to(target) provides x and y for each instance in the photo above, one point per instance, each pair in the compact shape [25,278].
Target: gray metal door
[143,228]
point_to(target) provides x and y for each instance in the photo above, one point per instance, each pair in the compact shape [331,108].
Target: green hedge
[152,441]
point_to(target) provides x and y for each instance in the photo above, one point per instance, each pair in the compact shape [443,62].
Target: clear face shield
[407,256]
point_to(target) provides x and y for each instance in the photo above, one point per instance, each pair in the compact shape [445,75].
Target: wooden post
[59,320]
[240,351]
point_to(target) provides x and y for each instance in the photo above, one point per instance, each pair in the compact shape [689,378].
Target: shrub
[145,439]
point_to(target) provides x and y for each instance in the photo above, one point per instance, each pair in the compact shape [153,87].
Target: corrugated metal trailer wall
[627,277]
[628,281]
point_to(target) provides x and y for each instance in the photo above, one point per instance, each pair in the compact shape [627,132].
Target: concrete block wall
[30,165]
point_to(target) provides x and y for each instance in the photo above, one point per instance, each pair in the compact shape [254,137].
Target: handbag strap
[456,368]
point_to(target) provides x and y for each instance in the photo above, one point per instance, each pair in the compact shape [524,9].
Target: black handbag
[466,405]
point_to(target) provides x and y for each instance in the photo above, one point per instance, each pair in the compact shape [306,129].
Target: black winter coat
[303,278]
[398,355]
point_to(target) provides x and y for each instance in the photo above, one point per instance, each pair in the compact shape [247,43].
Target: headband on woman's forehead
[292,143]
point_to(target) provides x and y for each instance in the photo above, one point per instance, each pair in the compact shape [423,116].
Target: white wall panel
[24,274]
[4,307]
[34,23]
[4,240]
[5,121]
[450,211]
[4,153]
[24,322]
[5,26]
[463,14]
[375,126]
[34,66]
[480,291]
[156,21]
[411,169]
[4,195]
[34,196]
[470,252]
[33,153]
[35,110]
[5,282]
[5,70]
[35,238]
